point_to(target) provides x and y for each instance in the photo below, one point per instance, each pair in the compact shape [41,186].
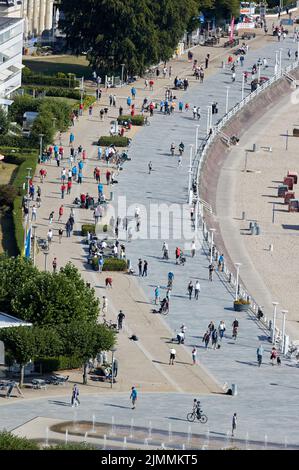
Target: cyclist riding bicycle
[235,326]
[197,407]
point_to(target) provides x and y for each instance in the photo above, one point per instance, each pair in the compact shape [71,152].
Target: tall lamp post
[243,85]
[34,227]
[282,346]
[212,230]
[196,138]
[190,174]
[46,252]
[122,74]
[41,145]
[274,322]
[113,350]
[237,279]
[280,59]
[226,102]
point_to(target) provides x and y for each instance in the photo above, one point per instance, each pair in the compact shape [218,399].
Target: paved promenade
[261,403]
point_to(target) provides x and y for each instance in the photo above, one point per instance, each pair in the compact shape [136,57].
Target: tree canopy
[136,33]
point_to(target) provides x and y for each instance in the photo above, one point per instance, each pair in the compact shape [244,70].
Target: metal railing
[198,161]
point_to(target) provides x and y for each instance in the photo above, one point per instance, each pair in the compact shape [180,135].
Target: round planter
[241,307]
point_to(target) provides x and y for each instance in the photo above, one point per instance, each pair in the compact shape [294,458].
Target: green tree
[47,299]
[13,272]
[27,342]
[85,340]
[4,122]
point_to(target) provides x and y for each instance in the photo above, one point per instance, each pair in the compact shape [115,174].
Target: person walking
[234,424]
[235,326]
[145,265]
[50,236]
[140,267]
[194,353]
[207,61]
[33,213]
[63,188]
[54,264]
[60,233]
[190,289]
[221,329]
[75,396]
[51,216]
[214,338]
[220,262]
[206,338]
[259,354]
[60,212]
[120,319]
[273,355]
[150,167]
[133,397]
[193,249]
[172,354]
[157,294]
[196,290]
[211,270]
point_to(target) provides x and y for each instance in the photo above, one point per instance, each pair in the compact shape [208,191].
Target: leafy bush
[114,264]
[10,442]
[87,101]
[242,302]
[7,195]
[87,228]
[135,120]
[116,140]
[17,141]
[53,91]
[30,78]
[4,122]
[51,364]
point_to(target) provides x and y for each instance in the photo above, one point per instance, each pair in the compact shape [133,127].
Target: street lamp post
[190,174]
[41,145]
[196,138]
[81,90]
[34,227]
[276,63]
[46,252]
[274,322]
[259,74]
[226,102]
[212,230]
[282,345]
[243,85]
[113,351]
[122,74]
[237,280]
[280,58]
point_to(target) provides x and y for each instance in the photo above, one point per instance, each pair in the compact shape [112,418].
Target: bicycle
[199,416]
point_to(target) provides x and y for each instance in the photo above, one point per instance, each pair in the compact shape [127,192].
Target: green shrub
[30,78]
[87,101]
[16,141]
[10,442]
[114,264]
[51,364]
[53,91]
[135,120]
[116,140]
[7,195]
[87,228]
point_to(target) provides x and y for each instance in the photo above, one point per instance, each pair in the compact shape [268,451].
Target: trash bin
[234,390]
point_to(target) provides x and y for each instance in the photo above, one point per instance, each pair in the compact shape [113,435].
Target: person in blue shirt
[80,176]
[133,397]
[100,189]
[129,101]
[100,151]
[74,172]
[72,138]
[80,165]
[133,92]
[157,294]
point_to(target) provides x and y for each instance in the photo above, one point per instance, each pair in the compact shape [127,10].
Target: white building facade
[37,14]
[11,47]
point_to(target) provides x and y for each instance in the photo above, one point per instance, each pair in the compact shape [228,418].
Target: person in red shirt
[81,109]
[63,188]
[84,156]
[177,254]
[108,282]
[69,187]
[151,84]
[60,212]
[108,177]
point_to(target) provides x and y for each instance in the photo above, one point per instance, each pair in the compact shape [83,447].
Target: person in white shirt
[172,356]
[196,289]
[137,212]
[193,249]
[115,251]
[34,212]
[50,235]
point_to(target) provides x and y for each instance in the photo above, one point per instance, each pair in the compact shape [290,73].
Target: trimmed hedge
[87,228]
[116,140]
[135,120]
[24,160]
[50,364]
[30,78]
[115,264]
[53,91]
[17,141]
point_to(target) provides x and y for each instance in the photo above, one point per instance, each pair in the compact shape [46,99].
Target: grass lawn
[6,171]
[51,65]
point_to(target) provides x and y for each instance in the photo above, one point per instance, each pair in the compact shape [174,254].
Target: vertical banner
[232,27]
[28,243]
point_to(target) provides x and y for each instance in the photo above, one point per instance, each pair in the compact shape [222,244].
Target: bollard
[254,148]
[271,247]
[243,215]
[111,196]
[257,230]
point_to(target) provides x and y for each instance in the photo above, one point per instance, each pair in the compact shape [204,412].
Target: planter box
[241,307]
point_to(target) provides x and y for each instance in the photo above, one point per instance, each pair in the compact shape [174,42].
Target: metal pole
[259,74]
[297,50]
[246,156]
[237,280]
[287,139]
[122,74]
[273,213]
[46,254]
[274,322]
[243,85]
[82,90]
[208,119]
[190,173]
[284,312]
[226,104]
[212,230]
[112,369]
[280,64]
[276,63]
[211,119]
[33,251]
[196,138]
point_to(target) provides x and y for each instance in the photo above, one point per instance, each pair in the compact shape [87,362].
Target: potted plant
[241,305]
